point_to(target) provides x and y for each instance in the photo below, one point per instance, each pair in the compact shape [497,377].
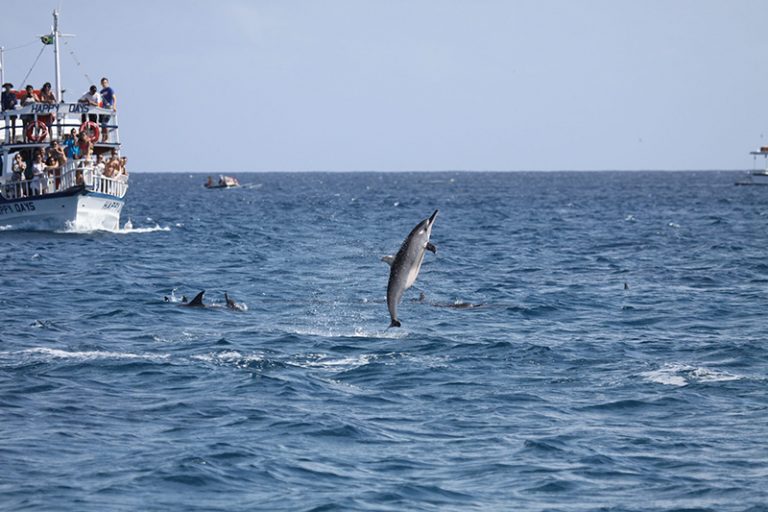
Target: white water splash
[131,230]
[49,354]
[326,362]
[682,375]
[230,358]
[358,332]
[127,229]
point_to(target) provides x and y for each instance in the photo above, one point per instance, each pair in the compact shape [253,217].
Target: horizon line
[294,171]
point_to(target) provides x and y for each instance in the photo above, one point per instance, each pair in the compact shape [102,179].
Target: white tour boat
[757,176]
[77,194]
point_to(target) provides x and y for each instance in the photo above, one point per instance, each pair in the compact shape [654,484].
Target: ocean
[585,341]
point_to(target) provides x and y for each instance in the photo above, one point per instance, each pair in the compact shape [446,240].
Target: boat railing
[73,174]
[42,122]
[113,186]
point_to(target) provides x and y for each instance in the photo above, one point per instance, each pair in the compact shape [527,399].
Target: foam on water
[230,358]
[328,362]
[88,230]
[49,354]
[356,332]
[675,374]
[132,230]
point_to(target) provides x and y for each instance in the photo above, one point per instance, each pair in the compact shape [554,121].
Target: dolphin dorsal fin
[198,300]
[388,259]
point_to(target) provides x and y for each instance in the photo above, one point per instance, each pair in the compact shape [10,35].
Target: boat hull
[77,210]
[755,178]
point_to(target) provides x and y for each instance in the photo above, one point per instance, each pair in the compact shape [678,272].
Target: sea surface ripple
[616,358]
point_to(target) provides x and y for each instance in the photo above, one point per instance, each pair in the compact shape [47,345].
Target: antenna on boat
[53,38]
[56,52]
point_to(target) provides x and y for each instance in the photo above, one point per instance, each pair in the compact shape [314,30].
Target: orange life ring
[93,128]
[42,131]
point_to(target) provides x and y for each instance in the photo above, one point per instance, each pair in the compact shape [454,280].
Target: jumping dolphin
[406,265]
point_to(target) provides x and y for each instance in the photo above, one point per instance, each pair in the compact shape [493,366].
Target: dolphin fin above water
[197,302]
[388,259]
[231,304]
[405,267]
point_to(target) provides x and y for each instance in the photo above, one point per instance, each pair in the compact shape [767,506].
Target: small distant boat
[757,176]
[224,182]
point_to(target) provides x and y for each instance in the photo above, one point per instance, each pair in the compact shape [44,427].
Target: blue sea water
[564,390]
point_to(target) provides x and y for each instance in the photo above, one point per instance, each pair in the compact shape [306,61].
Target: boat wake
[131,229]
[128,229]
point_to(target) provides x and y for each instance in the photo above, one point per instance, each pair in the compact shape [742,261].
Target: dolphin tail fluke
[394,323]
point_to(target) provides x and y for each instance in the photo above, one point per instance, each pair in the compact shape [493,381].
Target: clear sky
[291,85]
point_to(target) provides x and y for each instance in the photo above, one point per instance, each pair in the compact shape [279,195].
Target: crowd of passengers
[13,100]
[39,171]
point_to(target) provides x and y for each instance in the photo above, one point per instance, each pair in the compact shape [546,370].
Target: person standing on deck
[28,98]
[46,96]
[108,100]
[9,102]
[91,98]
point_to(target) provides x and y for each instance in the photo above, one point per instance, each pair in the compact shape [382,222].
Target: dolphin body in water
[231,304]
[197,302]
[405,266]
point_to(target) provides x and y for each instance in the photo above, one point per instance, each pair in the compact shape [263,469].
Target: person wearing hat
[9,102]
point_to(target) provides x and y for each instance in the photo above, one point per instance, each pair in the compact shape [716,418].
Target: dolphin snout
[433,217]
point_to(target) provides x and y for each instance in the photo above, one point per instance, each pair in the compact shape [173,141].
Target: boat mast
[56,53]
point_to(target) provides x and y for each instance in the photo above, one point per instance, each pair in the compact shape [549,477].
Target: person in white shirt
[99,167]
[39,176]
[93,99]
